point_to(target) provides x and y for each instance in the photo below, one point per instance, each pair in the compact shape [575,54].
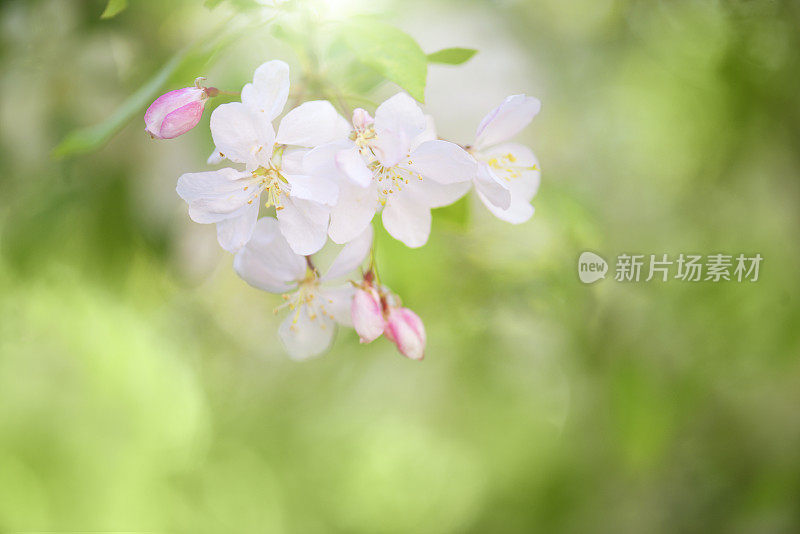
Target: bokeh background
[143,386]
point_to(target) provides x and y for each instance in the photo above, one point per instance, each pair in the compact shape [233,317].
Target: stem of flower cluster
[229,93]
[310,264]
[345,108]
[373,267]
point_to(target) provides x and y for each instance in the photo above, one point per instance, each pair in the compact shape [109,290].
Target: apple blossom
[367,314]
[267,262]
[508,174]
[392,163]
[176,112]
[327,178]
[404,328]
[376,310]
[243,134]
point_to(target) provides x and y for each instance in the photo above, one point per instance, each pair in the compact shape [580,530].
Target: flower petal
[492,188]
[407,220]
[352,164]
[443,161]
[398,121]
[336,302]
[292,160]
[400,114]
[390,148]
[305,337]
[429,134]
[523,188]
[353,212]
[216,195]
[406,330]
[436,195]
[233,233]
[351,256]
[367,315]
[270,88]
[182,120]
[362,119]
[214,210]
[516,167]
[506,120]
[313,188]
[267,262]
[195,185]
[241,135]
[166,104]
[304,224]
[215,158]
[312,124]
[510,155]
[321,161]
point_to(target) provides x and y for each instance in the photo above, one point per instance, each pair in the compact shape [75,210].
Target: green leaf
[390,51]
[185,65]
[114,8]
[452,56]
[361,79]
[87,139]
[345,72]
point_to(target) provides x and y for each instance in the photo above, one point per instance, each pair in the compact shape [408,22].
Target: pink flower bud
[175,113]
[362,119]
[405,329]
[367,315]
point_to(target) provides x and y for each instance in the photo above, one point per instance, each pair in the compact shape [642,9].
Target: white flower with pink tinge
[367,314]
[376,311]
[315,305]
[175,113]
[243,133]
[392,163]
[404,328]
[508,173]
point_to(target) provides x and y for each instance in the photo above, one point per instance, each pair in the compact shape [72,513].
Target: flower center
[271,180]
[365,138]
[362,136]
[390,180]
[307,295]
[504,166]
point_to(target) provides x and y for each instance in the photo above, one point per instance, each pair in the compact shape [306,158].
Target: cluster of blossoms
[326,178]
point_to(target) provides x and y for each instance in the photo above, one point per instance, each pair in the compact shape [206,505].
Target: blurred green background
[143,386]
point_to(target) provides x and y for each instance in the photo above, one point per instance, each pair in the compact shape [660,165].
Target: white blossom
[315,304]
[176,112]
[326,177]
[243,134]
[508,173]
[392,163]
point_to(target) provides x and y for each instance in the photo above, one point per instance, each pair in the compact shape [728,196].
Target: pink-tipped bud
[405,329]
[175,113]
[367,315]
[362,119]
